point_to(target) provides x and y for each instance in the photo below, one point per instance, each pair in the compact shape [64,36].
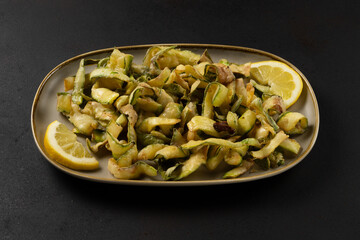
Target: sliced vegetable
[232,157]
[114,129]
[246,122]
[109,74]
[204,124]
[256,104]
[188,113]
[274,105]
[150,123]
[242,69]
[149,152]
[69,83]
[215,156]
[118,148]
[232,121]
[293,123]
[104,113]
[131,172]
[120,62]
[145,139]
[193,163]
[64,103]
[83,123]
[121,101]
[161,79]
[276,159]
[220,95]
[172,110]
[104,95]
[290,146]
[221,142]
[149,104]
[170,57]
[270,147]
[138,92]
[236,172]
[79,83]
[170,152]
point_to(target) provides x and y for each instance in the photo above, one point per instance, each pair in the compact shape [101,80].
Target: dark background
[318,199]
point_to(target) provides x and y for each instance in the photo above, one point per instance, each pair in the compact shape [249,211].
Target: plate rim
[266,174]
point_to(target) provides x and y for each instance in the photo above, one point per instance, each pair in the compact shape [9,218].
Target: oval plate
[44,112]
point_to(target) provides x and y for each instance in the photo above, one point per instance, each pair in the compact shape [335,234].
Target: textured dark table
[319,198]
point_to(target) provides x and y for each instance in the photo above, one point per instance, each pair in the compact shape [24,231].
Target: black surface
[319,198]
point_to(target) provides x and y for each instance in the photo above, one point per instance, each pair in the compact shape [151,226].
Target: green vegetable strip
[236,172]
[270,147]
[193,163]
[220,95]
[221,142]
[108,73]
[204,124]
[151,122]
[170,152]
[149,152]
[259,109]
[116,147]
[79,84]
[207,106]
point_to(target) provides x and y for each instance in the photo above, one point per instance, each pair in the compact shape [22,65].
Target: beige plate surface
[44,112]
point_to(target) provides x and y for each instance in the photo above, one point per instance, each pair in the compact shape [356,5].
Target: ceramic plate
[44,112]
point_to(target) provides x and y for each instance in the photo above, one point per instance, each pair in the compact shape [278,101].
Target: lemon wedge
[61,144]
[282,79]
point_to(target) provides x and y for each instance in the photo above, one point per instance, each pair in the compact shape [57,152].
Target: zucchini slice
[161,57]
[138,92]
[114,129]
[215,95]
[83,123]
[109,74]
[238,171]
[79,83]
[103,95]
[171,152]
[256,104]
[149,152]
[133,171]
[117,148]
[193,163]
[270,147]
[220,95]
[290,146]
[204,124]
[149,104]
[145,139]
[161,79]
[151,122]
[121,101]
[232,121]
[241,69]
[246,122]
[221,142]
[64,103]
[216,154]
[172,110]
[120,62]
[232,157]
[293,123]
